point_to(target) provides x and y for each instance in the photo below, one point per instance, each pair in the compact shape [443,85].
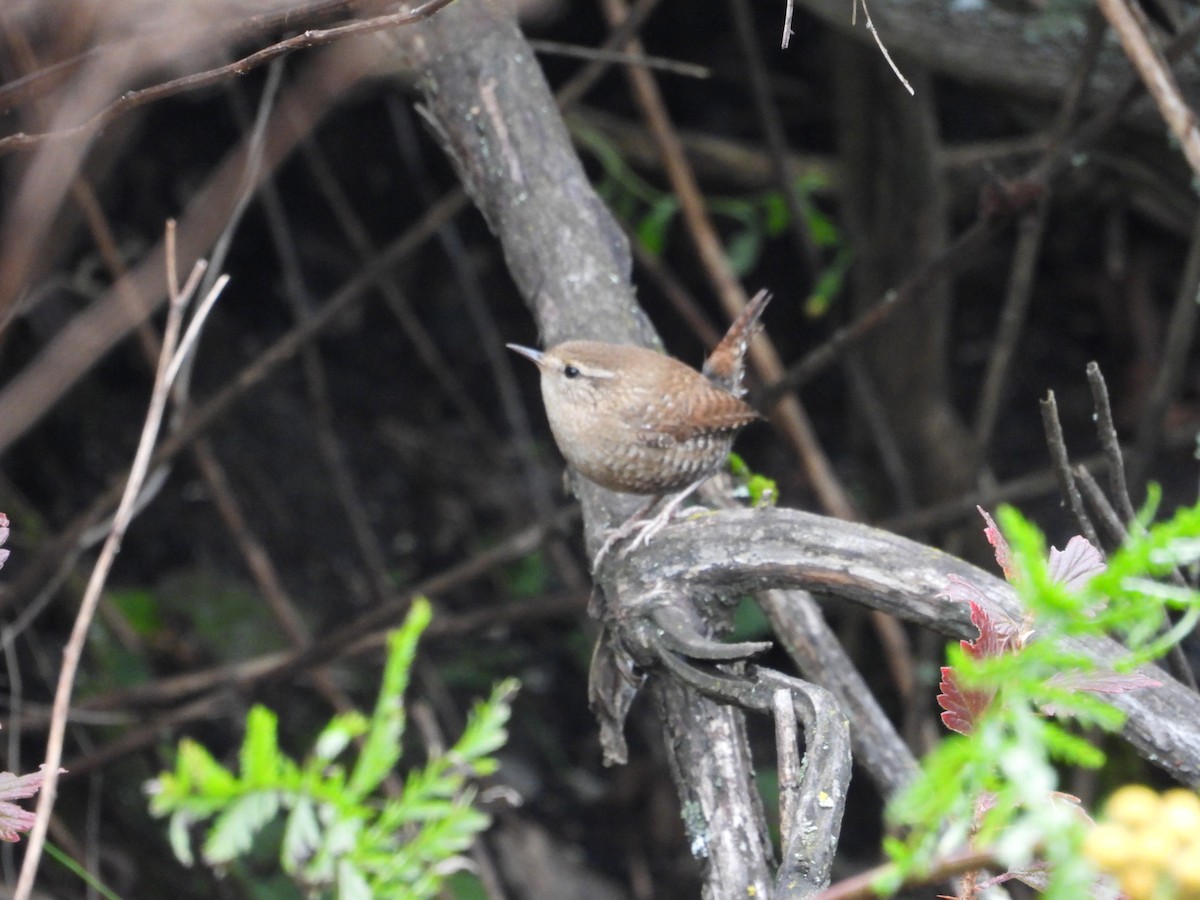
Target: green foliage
[528,576]
[761,490]
[995,786]
[341,837]
[755,217]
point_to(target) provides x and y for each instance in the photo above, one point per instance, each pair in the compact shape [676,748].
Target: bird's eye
[571,372]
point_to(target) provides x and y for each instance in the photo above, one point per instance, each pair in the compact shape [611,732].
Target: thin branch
[861,886]
[1062,467]
[616,57]
[773,130]
[1179,338]
[1030,232]
[790,414]
[1106,431]
[1090,489]
[1157,77]
[37,83]
[87,609]
[879,43]
[131,100]
[267,362]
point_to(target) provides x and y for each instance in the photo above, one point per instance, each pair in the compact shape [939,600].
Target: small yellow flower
[1134,805]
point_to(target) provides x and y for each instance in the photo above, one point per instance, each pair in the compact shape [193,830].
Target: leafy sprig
[1019,694]
[341,837]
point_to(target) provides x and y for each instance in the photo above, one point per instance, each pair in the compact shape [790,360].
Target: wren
[638,422]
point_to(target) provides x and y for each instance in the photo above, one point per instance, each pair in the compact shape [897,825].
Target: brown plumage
[639,422]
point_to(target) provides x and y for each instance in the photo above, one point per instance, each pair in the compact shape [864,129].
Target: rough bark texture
[734,553]
[488,102]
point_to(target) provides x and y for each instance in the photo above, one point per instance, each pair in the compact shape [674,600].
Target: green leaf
[259,757]
[776,213]
[485,730]
[744,249]
[822,229]
[236,827]
[829,285]
[301,836]
[528,576]
[351,883]
[181,840]
[337,735]
[651,229]
[139,607]
[381,750]
[197,771]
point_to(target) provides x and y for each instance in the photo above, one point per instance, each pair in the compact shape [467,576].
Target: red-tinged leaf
[995,636]
[14,819]
[3,538]
[999,545]
[1074,566]
[962,707]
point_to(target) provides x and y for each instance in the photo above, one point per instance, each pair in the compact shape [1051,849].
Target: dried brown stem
[790,415]
[133,99]
[1157,76]
[1061,460]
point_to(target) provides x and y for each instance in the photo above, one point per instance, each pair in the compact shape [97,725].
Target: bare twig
[1157,76]
[1030,231]
[1062,467]
[798,623]
[1090,489]
[1177,660]
[790,415]
[773,130]
[879,42]
[1179,338]
[37,83]
[267,362]
[862,886]
[618,39]
[670,66]
[871,406]
[168,362]
[1106,431]
[1035,484]
[95,330]
[133,99]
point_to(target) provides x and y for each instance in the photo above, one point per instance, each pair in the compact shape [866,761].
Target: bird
[637,421]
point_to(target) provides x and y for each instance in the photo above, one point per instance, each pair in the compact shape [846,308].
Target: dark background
[441,462]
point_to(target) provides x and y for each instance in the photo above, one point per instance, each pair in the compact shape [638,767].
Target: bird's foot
[642,529]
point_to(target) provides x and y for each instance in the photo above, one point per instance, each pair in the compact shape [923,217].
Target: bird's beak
[528,353]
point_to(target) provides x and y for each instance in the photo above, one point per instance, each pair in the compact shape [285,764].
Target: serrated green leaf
[197,770]
[301,836]
[337,735]
[181,840]
[259,757]
[381,749]
[238,824]
[351,883]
